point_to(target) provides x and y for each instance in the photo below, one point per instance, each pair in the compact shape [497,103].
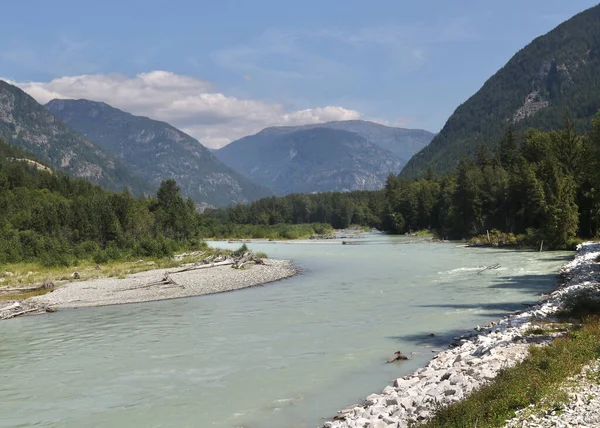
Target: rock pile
[455,373]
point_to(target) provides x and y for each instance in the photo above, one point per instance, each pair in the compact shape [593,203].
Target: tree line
[50,218]
[533,187]
[536,187]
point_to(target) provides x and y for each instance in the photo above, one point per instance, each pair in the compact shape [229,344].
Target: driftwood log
[397,356]
[46,285]
[492,267]
[205,266]
[237,262]
[19,308]
[22,289]
[246,258]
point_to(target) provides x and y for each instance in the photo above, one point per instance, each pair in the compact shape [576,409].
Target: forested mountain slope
[27,124]
[554,76]
[157,151]
[311,159]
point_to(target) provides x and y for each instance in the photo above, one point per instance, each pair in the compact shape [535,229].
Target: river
[286,354]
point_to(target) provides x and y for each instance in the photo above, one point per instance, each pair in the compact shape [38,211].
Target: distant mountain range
[554,76]
[27,124]
[333,156]
[116,149]
[157,151]
[402,142]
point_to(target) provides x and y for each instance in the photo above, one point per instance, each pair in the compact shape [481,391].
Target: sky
[220,70]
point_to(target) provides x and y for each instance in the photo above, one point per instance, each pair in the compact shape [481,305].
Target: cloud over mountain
[186,102]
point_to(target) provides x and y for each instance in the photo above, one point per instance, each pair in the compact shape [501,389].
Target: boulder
[372,399]
[383,424]
[403,383]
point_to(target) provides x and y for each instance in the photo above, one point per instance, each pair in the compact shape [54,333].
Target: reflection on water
[283,355]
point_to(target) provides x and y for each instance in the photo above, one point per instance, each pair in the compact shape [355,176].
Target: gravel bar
[148,286]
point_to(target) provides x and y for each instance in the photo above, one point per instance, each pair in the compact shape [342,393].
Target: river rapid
[288,354]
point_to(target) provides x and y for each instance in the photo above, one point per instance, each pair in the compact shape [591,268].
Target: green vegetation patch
[496,238]
[580,306]
[532,381]
[282,231]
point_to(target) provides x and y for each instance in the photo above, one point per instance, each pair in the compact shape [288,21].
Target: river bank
[157,284]
[477,359]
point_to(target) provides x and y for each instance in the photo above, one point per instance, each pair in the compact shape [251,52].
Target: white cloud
[186,102]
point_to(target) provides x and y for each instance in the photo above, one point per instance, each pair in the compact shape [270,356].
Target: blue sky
[223,69]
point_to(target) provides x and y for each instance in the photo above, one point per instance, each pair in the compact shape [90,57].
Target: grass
[540,328]
[533,381]
[29,276]
[536,380]
[422,232]
[271,232]
[359,228]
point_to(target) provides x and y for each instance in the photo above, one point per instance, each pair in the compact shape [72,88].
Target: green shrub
[196,244]
[580,306]
[291,234]
[54,260]
[572,244]
[100,257]
[87,249]
[32,245]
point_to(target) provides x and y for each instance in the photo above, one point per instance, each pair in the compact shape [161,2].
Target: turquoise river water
[288,354]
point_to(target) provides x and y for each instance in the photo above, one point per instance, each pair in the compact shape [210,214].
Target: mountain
[158,151]
[555,75]
[344,155]
[404,143]
[311,160]
[27,124]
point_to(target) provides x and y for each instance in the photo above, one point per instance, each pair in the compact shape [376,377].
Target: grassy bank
[530,240]
[423,232]
[115,261]
[275,232]
[536,380]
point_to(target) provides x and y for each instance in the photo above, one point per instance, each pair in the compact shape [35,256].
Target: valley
[236,216]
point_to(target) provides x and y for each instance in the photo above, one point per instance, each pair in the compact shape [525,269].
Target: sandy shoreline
[150,285]
[453,374]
